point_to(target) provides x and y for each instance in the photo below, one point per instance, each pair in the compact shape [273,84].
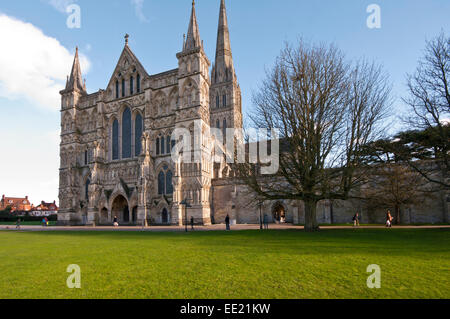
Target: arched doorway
[164,216]
[279,213]
[104,216]
[120,209]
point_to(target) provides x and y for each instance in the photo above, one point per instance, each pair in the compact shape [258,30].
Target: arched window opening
[138,128]
[224,100]
[217,101]
[165,185]
[131,85]
[138,83]
[224,127]
[117,89]
[161,182]
[168,145]
[88,182]
[217,124]
[169,185]
[123,87]
[126,133]
[157,146]
[115,140]
[163,150]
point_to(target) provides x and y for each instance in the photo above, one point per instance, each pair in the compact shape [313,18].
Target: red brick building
[17,204]
[48,207]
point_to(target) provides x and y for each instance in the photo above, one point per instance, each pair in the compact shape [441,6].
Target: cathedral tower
[225,93]
[193,180]
[70,141]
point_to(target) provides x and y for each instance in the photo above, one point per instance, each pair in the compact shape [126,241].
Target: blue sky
[29,113]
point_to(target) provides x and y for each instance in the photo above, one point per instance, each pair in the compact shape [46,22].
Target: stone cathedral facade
[116,143]
[116,147]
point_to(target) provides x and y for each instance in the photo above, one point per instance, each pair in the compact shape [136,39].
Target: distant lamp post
[186,204]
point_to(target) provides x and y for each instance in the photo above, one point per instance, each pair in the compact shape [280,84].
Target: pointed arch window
[138,83]
[123,87]
[86,190]
[157,146]
[138,129]
[217,124]
[115,140]
[126,133]
[117,89]
[224,128]
[168,151]
[224,100]
[161,183]
[131,85]
[165,185]
[217,101]
[169,185]
[163,149]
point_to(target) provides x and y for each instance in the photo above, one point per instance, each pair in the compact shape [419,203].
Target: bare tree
[429,99]
[326,109]
[395,186]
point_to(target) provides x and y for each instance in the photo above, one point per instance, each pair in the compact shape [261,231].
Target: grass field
[246,264]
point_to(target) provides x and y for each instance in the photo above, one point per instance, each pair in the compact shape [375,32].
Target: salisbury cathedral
[116,147]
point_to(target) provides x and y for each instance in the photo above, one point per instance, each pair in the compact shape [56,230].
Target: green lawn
[247,264]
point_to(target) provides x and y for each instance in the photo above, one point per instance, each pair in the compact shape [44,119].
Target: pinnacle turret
[193,36]
[75,81]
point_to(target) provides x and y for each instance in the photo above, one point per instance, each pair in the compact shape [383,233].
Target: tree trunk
[311,224]
[397,215]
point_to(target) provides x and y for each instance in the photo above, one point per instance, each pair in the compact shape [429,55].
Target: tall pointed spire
[193,36]
[75,81]
[223,34]
[223,67]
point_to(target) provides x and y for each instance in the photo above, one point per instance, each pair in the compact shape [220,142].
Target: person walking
[46,221]
[266,221]
[389,219]
[115,222]
[43,222]
[192,222]
[18,224]
[356,220]
[227,222]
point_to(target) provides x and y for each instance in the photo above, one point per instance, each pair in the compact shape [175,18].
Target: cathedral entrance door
[120,209]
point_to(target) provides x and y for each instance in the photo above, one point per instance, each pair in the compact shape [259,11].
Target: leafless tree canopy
[429,99]
[326,109]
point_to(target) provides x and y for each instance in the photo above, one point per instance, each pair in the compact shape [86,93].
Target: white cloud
[60,5]
[33,65]
[32,167]
[139,9]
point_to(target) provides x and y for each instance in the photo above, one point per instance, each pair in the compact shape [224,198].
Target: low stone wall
[237,201]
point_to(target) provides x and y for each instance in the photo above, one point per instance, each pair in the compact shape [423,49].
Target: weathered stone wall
[230,197]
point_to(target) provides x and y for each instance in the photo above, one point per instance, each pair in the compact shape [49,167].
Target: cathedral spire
[75,81]
[193,36]
[223,35]
[224,58]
